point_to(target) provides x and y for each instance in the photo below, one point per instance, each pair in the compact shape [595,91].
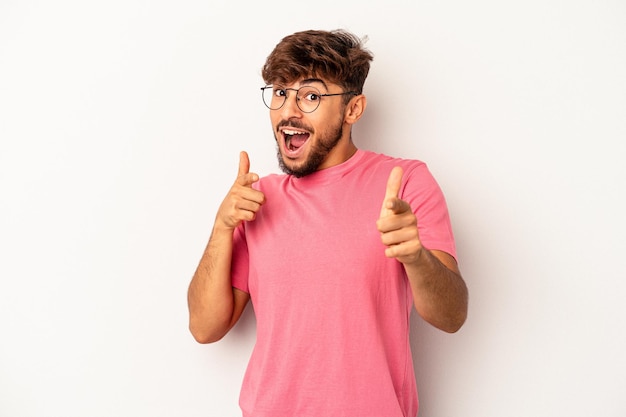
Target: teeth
[292,132]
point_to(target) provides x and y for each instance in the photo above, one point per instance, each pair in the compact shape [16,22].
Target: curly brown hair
[336,56]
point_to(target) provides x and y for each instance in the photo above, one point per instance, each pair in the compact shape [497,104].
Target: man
[333,254]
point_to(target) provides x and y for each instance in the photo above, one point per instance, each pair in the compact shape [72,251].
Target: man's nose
[290,107]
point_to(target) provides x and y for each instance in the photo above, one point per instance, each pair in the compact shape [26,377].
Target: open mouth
[294,139]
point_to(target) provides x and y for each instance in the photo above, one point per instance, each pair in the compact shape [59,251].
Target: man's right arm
[214,305]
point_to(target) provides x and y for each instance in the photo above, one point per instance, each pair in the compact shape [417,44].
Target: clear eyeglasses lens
[307,97]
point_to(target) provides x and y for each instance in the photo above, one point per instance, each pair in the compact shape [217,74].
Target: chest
[324,240]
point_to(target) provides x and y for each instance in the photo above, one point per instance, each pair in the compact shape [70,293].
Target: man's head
[316,80]
[336,56]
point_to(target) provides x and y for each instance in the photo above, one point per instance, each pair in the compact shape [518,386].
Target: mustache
[296,124]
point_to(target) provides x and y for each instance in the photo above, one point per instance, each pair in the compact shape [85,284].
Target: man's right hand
[242,201]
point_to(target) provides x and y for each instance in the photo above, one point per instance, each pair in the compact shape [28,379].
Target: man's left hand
[397,223]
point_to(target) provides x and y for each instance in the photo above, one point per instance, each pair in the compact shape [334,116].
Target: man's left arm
[439,292]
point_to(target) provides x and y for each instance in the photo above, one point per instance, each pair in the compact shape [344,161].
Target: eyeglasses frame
[297,99]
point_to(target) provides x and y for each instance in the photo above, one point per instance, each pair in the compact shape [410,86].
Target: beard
[318,153]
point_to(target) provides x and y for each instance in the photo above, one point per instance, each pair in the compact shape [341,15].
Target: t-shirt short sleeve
[429,205]
[240,260]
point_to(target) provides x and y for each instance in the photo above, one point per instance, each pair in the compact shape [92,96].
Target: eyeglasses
[308,98]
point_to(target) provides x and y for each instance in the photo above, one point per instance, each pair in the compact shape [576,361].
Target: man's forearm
[210,295]
[439,292]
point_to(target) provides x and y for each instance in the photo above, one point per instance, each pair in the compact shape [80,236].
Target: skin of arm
[439,292]
[214,305]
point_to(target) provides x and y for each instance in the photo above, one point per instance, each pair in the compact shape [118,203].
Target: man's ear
[355,109]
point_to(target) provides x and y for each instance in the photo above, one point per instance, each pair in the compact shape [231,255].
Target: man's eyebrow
[314,80]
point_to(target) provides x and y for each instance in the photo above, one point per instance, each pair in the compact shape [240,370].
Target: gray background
[120,127]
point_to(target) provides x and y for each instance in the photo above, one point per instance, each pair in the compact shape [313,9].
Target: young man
[333,254]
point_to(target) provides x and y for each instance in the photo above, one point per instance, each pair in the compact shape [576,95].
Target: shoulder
[271,182]
[383,163]
[418,183]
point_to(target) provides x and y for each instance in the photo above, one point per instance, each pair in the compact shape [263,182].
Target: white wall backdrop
[120,127]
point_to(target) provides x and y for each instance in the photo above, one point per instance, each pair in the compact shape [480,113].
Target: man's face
[307,142]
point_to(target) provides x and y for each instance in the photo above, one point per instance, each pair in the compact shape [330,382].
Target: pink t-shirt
[332,311]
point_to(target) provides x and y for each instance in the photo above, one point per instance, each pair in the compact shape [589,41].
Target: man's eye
[280,93]
[311,96]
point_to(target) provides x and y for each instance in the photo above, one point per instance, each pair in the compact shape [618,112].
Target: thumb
[243,177]
[394,182]
[244,164]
